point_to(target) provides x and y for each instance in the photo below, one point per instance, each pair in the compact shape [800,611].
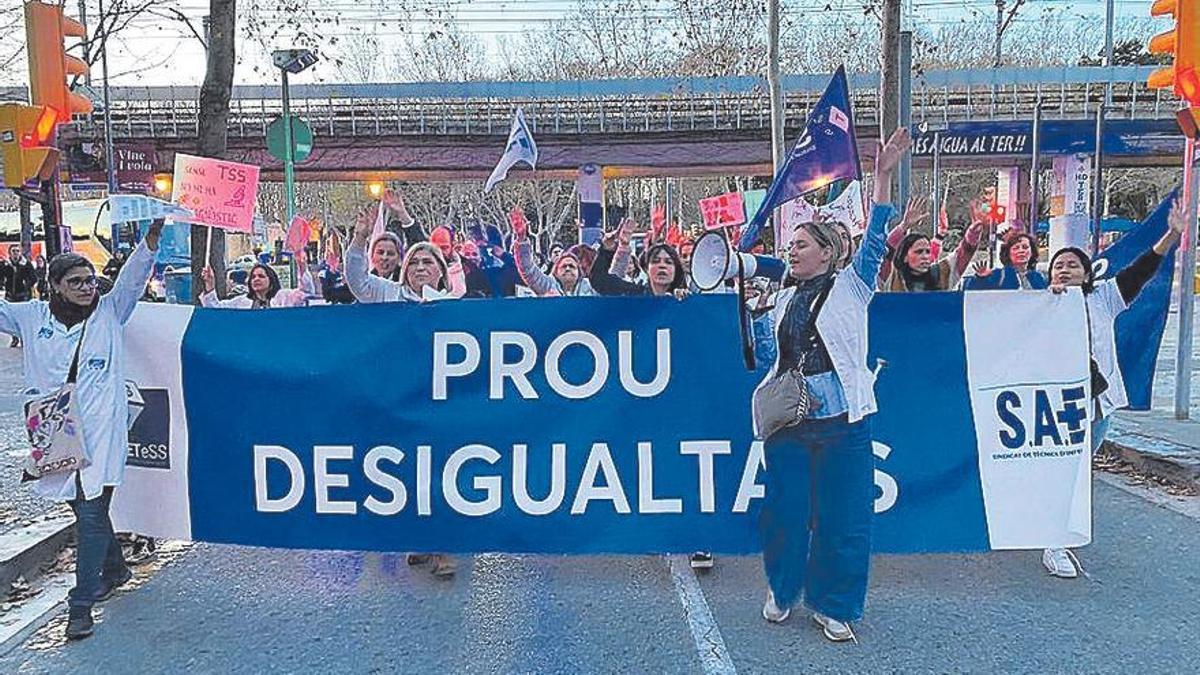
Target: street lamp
[290,61]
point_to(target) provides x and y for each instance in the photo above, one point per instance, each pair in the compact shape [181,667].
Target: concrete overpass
[654,127]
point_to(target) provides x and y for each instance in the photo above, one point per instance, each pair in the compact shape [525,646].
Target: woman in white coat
[76,315]
[264,290]
[424,276]
[818,501]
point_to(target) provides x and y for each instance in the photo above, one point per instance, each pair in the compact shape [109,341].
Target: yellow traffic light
[24,132]
[1183,44]
[49,64]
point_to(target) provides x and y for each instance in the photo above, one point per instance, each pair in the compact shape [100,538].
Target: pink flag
[298,234]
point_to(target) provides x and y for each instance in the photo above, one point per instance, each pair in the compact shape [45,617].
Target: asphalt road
[229,609]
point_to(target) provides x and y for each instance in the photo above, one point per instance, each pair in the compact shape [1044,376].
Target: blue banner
[551,425]
[1140,327]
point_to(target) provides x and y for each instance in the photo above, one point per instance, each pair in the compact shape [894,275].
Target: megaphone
[714,262]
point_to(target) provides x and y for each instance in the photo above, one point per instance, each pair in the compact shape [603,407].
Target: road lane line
[1184,506]
[714,656]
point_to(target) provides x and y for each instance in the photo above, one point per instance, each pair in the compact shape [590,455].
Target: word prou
[517,371]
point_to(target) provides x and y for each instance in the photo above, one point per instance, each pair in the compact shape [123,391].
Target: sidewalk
[1153,441]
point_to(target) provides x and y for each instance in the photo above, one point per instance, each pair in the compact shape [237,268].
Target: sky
[159,49]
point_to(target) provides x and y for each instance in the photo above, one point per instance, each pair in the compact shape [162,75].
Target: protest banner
[603,425]
[220,194]
[722,211]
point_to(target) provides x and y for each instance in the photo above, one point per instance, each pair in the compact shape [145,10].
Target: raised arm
[1135,276]
[131,281]
[365,286]
[965,251]
[538,281]
[869,258]
[604,282]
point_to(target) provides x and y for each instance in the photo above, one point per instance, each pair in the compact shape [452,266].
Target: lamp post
[290,61]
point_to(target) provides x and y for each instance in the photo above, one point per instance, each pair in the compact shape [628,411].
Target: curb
[1169,461]
[36,613]
[26,549]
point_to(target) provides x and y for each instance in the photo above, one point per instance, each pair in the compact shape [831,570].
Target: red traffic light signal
[49,64]
[1183,44]
[24,132]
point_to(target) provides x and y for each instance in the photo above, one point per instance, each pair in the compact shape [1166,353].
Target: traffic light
[1183,44]
[24,132]
[49,64]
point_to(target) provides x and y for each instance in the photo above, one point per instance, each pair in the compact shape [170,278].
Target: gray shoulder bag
[782,401]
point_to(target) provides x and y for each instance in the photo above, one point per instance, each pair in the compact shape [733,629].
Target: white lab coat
[296,297]
[1104,304]
[368,288]
[48,350]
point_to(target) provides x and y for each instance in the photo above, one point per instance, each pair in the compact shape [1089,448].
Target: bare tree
[213,121]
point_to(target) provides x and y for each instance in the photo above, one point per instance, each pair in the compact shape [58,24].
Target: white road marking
[714,656]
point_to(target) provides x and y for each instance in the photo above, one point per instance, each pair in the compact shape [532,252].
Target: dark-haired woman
[912,265]
[665,273]
[264,290]
[1072,268]
[76,326]
[1018,254]
[819,496]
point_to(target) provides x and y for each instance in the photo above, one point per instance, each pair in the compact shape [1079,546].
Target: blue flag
[827,151]
[1140,328]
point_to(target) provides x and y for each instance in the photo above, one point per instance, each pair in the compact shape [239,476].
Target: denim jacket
[842,322]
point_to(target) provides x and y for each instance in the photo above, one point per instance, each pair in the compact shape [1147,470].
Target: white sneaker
[834,630]
[771,611]
[1058,563]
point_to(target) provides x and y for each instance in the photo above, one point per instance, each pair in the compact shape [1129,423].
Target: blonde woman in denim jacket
[816,517]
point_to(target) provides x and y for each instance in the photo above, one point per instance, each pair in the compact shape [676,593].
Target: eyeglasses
[80,283]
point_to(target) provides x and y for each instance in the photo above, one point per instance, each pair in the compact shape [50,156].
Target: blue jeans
[816,515]
[98,559]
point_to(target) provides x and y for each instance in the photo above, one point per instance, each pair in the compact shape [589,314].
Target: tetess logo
[150,430]
[1042,417]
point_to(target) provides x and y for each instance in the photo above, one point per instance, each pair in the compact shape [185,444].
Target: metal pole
[904,175]
[1098,181]
[775,87]
[1187,289]
[87,77]
[1109,12]
[109,150]
[937,182]
[289,168]
[1035,168]
[999,29]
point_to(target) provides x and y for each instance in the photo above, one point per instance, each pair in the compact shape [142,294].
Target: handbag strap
[810,328]
[73,373]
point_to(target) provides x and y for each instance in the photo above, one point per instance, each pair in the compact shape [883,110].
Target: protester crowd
[816,517]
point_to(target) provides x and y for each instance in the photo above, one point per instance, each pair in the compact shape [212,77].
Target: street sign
[302,139]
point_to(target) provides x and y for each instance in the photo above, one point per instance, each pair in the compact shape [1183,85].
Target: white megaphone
[714,262]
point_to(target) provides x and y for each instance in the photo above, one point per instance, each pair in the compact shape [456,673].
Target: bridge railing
[627,106]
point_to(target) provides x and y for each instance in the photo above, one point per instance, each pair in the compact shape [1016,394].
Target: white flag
[848,209]
[520,148]
[131,208]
